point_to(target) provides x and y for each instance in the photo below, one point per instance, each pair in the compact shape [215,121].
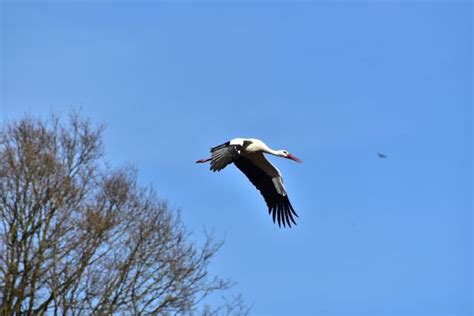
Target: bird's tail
[204,160]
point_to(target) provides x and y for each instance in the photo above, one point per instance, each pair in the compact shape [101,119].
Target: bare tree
[78,237]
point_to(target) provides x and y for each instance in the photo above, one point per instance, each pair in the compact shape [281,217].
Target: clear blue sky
[332,82]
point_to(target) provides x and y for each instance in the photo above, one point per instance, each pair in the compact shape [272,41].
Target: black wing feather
[223,155]
[279,206]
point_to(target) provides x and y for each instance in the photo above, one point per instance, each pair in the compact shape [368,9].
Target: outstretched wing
[271,188]
[223,155]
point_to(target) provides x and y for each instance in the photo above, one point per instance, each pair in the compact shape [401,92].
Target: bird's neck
[270,151]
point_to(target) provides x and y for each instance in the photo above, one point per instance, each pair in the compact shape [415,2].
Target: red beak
[290,156]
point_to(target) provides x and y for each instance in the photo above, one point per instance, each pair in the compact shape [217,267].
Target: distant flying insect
[381,155]
[248,156]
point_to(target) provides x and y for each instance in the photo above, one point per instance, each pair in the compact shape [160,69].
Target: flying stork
[248,155]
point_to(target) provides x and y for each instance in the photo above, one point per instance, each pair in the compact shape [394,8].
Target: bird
[247,154]
[381,155]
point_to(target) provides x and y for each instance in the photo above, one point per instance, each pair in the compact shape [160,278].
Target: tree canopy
[79,237]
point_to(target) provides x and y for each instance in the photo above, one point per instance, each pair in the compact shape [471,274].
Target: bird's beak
[290,156]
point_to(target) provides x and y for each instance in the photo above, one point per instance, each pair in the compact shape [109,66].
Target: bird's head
[287,155]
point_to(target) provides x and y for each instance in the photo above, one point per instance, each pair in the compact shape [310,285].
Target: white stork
[247,155]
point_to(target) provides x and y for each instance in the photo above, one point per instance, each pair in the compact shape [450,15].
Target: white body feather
[253,149]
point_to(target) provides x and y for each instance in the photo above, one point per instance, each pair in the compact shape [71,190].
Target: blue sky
[332,82]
